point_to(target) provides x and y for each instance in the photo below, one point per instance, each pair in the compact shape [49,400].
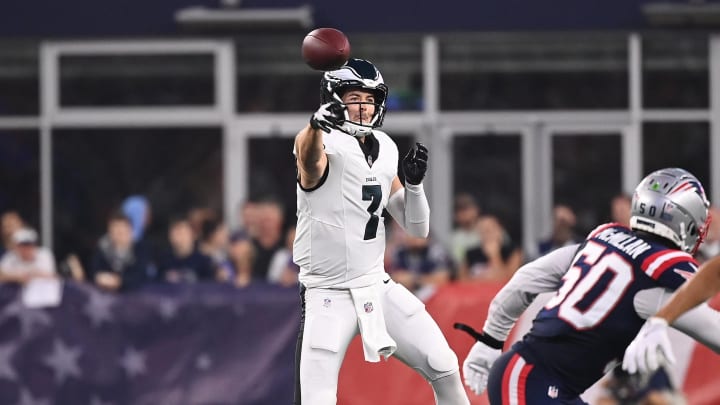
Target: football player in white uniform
[347,175]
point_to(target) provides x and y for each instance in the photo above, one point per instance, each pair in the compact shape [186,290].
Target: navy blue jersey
[585,328]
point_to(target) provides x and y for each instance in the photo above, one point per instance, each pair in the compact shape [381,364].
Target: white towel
[375,338]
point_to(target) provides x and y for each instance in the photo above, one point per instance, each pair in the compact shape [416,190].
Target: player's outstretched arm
[651,347]
[700,288]
[409,205]
[311,158]
[541,275]
[701,323]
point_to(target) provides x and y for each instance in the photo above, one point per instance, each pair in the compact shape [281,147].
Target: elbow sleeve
[411,210]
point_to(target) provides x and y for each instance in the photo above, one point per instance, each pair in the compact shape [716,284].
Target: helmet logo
[690,185]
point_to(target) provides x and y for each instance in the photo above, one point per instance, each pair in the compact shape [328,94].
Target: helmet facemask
[356,74]
[359,127]
[702,234]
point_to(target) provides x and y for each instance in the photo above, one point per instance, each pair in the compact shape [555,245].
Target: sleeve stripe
[658,255]
[657,267]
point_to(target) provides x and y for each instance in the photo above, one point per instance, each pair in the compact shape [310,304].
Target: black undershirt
[371,148]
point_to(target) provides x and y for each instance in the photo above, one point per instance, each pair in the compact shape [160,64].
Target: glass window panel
[137,80]
[272,77]
[489,167]
[95,169]
[537,71]
[675,70]
[20,174]
[19,78]
[272,172]
[586,176]
[678,144]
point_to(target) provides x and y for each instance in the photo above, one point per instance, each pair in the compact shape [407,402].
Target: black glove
[328,116]
[414,164]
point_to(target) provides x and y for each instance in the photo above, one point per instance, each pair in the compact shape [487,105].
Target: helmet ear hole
[692,230]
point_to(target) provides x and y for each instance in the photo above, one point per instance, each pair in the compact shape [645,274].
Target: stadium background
[523,104]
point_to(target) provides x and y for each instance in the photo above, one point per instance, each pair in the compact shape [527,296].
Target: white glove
[650,348]
[476,367]
[328,116]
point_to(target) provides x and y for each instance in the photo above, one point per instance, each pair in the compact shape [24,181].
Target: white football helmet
[671,203]
[356,73]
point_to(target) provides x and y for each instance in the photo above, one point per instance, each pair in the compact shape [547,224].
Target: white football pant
[331,324]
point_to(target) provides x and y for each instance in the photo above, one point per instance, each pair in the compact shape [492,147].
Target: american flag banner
[202,344]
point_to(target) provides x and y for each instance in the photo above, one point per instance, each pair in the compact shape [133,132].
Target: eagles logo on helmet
[356,73]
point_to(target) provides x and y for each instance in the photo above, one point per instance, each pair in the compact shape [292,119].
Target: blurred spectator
[620,206]
[237,269]
[563,233]
[711,247]
[197,217]
[137,209]
[497,257]
[268,238]
[26,260]
[464,236]
[72,268]
[620,388]
[184,262]
[282,269]
[10,222]
[120,263]
[421,265]
[214,241]
[249,218]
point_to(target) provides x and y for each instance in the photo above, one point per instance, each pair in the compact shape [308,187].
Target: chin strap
[480,337]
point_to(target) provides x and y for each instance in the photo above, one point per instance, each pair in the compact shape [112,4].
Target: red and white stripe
[682,186]
[595,232]
[655,265]
[514,381]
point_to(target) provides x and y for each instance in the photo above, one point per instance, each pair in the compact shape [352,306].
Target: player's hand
[650,348]
[476,366]
[328,116]
[414,164]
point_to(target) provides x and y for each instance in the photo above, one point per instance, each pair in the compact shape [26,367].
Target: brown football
[325,49]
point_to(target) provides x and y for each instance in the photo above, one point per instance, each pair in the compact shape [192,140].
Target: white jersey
[340,235]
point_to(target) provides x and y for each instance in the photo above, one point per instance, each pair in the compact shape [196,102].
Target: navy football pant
[514,381]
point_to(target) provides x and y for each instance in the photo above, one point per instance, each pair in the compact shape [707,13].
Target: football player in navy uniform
[605,289]
[347,175]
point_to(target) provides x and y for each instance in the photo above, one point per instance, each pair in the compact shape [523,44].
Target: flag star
[6,369]
[64,361]
[168,309]
[99,307]
[97,401]
[26,398]
[28,317]
[133,362]
[203,362]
